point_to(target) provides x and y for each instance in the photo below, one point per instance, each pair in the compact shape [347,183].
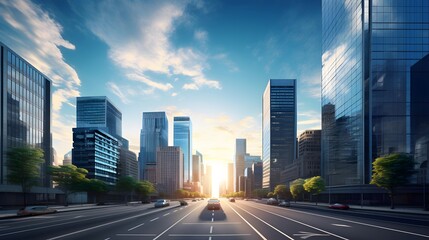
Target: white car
[35,210]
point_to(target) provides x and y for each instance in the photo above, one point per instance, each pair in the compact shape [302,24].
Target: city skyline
[185,63]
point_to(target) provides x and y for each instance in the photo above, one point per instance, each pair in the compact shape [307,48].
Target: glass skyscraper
[240,153]
[374,85]
[154,134]
[183,139]
[278,129]
[98,112]
[25,114]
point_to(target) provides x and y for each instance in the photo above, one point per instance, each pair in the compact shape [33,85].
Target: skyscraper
[278,129]
[370,106]
[169,170]
[100,113]
[154,134]
[183,139]
[230,185]
[25,100]
[240,153]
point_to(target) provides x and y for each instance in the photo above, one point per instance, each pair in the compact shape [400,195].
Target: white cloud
[141,43]
[115,89]
[201,36]
[223,57]
[37,37]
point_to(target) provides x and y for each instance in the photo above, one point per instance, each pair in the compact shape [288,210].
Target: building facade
[183,138]
[240,153]
[96,151]
[98,112]
[230,185]
[128,165]
[257,175]
[169,170]
[153,135]
[67,158]
[25,115]
[249,160]
[309,154]
[278,129]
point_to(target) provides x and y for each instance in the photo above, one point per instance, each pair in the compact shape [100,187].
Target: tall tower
[25,116]
[279,129]
[169,170]
[153,135]
[183,139]
[240,153]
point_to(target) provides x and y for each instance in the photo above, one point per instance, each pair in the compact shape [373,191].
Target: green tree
[96,187]
[392,171]
[296,187]
[282,191]
[260,193]
[24,167]
[126,185]
[69,178]
[314,185]
[270,194]
[144,189]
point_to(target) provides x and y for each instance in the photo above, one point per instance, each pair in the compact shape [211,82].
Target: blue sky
[210,60]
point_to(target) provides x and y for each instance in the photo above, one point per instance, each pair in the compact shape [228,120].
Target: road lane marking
[175,224]
[282,233]
[211,229]
[212,214]
[175,211]
[154,219]
[180,208]
[254,229]
[305,235]
[78,216]
[215,223]
[107,238]
[166,214]
[86,229]
[212,220]
[360,223]
[340,225]
[210,235]
[307,225]
[136,235]
[135,227]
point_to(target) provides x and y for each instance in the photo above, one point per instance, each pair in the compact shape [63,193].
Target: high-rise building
[278,129]
[249,160]
[183,138]
[169,170]
[98,112]
[208,181]
[309,154]
[240,153]
[372,97]
[196,168]
[128,165]
[230,184]
[257,175]
[67,158]
[153,135]
[96,151]
[25,120]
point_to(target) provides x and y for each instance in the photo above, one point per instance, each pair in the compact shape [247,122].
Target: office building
[169,170]
[98,112]
[128,165]
[374,84]
[196,168]
[230,184]
[183,138]
[278,129]
[67,158]
[96,151]
[249,160]
[240,153]
[309,154]
[153,135]
[25,118]
[257,175]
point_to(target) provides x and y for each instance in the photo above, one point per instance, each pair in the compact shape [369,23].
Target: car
[232,199]
[35,210]
[183,202]
[194,200]
[339,206]
[272,201]
[284,203]
[161,203]
[213,204]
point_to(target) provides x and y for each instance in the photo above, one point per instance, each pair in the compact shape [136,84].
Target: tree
[144,188]
[126,185]
[314,185]
[270,194]
[392,171]
[296,187]
[24,167]
[69,178]
[260,192]
[96,187]
[282,191]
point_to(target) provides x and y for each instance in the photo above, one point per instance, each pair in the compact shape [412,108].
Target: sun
[219,176]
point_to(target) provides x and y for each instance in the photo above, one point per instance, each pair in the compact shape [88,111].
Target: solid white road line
[271,226]
[360,223]
[254,229]
[340,225]
[175,223]
[307,225]
[135,227]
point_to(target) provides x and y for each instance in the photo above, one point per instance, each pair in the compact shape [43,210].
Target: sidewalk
[4,214]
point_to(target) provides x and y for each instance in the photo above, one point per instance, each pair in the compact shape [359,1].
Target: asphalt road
[239,220]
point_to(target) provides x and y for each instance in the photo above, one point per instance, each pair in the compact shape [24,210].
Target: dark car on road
[284,203]
[35,210]
[232,199]
[272,201]
[213,204]
[183,202]
[340,206]
[161,203]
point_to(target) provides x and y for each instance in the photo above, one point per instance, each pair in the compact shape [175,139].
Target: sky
[209,60]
